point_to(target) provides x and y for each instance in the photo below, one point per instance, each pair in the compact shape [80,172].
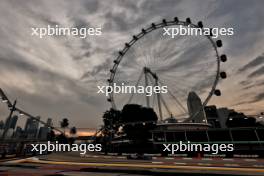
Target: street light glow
[4,101]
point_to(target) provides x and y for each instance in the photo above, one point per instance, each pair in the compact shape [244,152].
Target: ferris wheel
[182,63]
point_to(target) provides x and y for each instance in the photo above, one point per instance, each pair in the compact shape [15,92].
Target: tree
[73,130]
[138,122]
[64,124]
[111,120]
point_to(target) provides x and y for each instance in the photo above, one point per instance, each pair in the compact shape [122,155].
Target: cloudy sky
[57,76]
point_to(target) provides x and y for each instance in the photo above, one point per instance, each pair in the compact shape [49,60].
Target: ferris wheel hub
[148,70]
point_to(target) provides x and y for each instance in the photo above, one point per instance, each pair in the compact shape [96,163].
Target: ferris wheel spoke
[159,98]
[194,67]
[179,90]
[169,82]
[183,81]
[178,102]
[183,78]
[165,104]
[153,101]
[140,77]
[126,66]
[144,54]
[134,58]
[150,52]
[188,61]
[180,81]
[158,51]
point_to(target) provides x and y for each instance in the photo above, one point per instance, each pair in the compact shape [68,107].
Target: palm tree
[64,124]
[73,130]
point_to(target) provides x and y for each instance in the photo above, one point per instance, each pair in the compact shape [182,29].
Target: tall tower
[31,127]
[2,124]
[194,105]
[28,124]
[13,122]
[49,122]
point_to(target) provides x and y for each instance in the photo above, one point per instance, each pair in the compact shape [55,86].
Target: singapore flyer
[153,58]
[122,87]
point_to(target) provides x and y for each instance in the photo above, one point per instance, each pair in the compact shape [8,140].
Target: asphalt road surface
[74,164]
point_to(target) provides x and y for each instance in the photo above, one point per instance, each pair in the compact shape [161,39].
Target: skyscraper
[31,127]
[7,123]
[18,132]
[2,124]
[49,122]
[28,124]
[195,108]
[13,122]
[43,133]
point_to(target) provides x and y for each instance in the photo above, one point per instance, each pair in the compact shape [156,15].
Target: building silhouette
[223,114]
[45,130]
[2,124]
[31,127]
[49,123]
[19,132]
[195,108]
[212,116]
[13,122]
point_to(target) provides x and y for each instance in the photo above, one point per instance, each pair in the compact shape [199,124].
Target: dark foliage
[138,121]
